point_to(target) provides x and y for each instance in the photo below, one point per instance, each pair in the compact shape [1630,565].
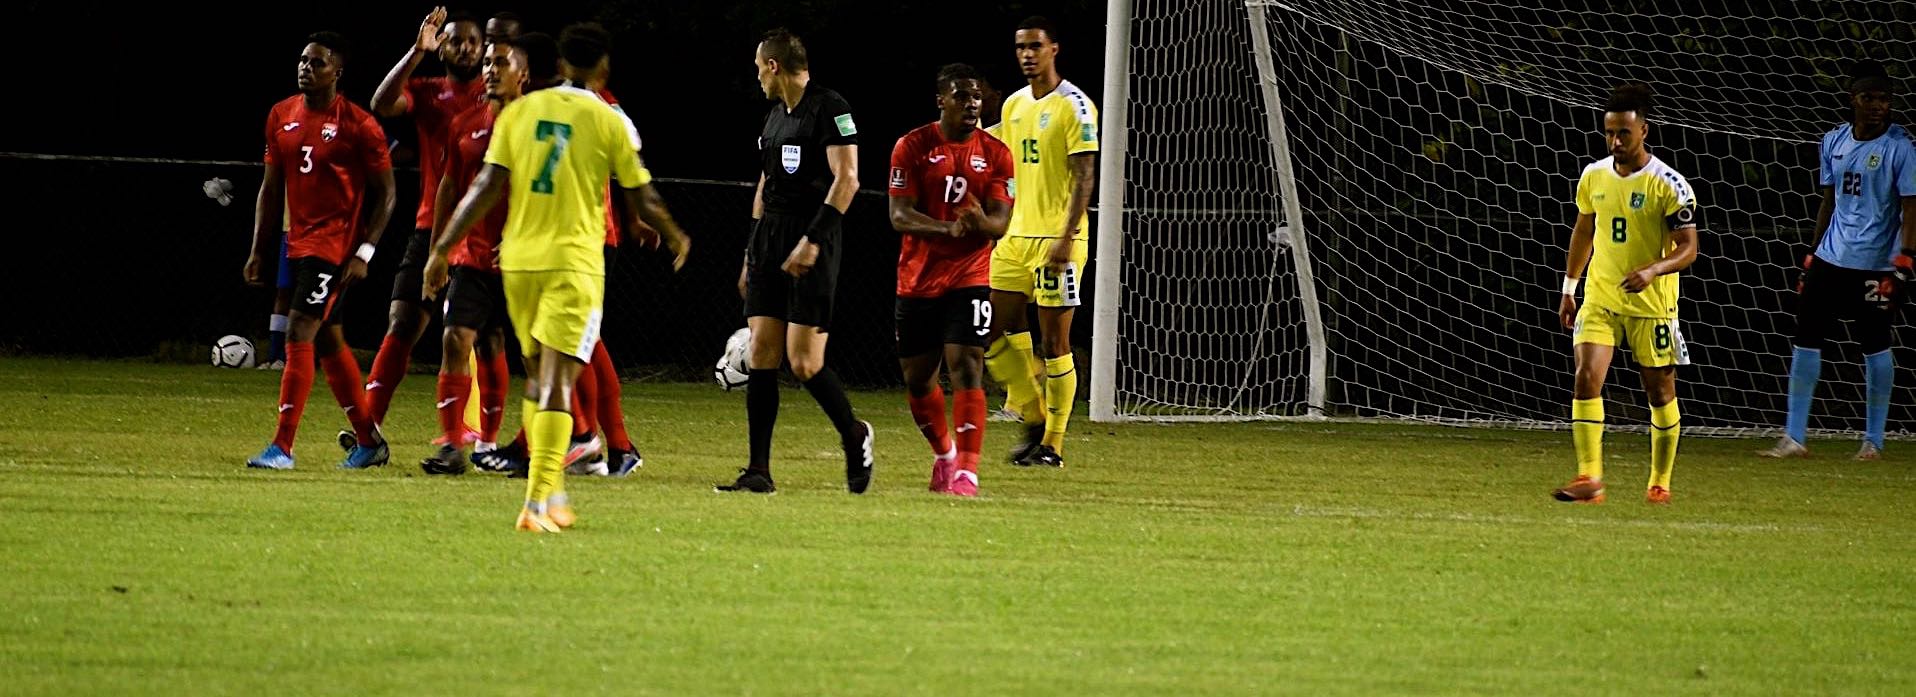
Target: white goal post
[1360,208]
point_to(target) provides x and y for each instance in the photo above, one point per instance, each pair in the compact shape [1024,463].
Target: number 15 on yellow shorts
[1023,265]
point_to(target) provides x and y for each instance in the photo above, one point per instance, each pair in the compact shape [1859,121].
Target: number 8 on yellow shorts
[1654,342]
[1023,265]
[560,309]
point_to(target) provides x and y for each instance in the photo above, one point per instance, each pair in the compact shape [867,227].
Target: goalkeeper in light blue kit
[1868,179]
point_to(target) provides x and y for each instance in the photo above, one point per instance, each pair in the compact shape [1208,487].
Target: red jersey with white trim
[325,157]
[434,102]
[941,173]
[612,232]
[470,134]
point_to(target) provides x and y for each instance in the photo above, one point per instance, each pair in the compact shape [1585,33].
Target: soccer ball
[732,371]
[233,352]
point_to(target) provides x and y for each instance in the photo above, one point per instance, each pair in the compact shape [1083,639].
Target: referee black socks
[761,413]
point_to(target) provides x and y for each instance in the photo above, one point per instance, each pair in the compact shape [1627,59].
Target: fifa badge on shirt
[1636,200]
[1874,160]
[977,163]
[1043,121]
[788,156]
[328,132]
[898,177]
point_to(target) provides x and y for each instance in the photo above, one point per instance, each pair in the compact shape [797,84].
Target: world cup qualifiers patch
[898,177]
[845,125]
[1088,133]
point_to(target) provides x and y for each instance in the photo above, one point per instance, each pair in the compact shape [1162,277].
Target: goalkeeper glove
[1901,276]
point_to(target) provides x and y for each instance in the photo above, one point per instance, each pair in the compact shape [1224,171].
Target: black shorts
[1833,293]
[410,279]
[770,292]
[961,316]
[316,288]
[611,259]
[476,299]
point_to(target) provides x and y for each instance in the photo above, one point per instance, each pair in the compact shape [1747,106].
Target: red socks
[389,367]
[585,401]
[295,382]
[968,409]
[611,413]
[495,379]
[929,413]
[342,374]
[453,393]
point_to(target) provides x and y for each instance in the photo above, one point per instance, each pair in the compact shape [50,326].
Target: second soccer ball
[732,370]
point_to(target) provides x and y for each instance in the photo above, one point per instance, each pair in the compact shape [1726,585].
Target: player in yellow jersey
[1052,128]
[552,152]
[1636,229]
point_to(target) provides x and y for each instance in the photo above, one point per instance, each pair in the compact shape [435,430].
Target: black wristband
[825,225]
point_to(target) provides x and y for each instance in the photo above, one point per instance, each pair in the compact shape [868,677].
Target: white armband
[365,252]
[1570,285]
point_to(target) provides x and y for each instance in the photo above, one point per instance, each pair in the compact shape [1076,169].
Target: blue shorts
[285,267]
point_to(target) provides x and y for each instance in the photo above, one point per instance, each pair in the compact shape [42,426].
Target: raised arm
[390,99]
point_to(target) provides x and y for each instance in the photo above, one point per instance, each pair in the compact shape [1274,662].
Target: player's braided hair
[783,46]
[1631,97]
[954,72]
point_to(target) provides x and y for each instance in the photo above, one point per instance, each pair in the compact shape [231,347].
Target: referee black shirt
[792,146]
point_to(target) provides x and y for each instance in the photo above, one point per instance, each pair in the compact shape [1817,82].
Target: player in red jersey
[475,300]
[433,102]
[939,172]
[604,396]
[326,162]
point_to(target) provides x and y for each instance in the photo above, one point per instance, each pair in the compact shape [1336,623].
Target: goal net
[1391,183]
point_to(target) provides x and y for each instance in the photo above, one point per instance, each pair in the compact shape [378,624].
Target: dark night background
[195,81]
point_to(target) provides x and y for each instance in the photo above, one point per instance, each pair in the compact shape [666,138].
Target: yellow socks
[1060,394]
[1666,425]
[1010,361]
[1586,428]
[548,435]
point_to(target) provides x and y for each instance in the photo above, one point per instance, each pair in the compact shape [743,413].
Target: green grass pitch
[141,557]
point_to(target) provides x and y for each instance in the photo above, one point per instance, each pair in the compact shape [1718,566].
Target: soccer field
[142,557]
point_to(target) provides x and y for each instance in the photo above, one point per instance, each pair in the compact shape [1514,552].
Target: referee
[808,155]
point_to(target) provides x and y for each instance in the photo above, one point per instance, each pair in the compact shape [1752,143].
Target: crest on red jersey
[978,163]
[328,132]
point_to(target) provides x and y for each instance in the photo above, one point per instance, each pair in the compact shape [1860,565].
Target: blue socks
[1879,373]
[278,327]
[1806,367]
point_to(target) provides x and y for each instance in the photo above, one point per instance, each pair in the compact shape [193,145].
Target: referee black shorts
[770,292]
